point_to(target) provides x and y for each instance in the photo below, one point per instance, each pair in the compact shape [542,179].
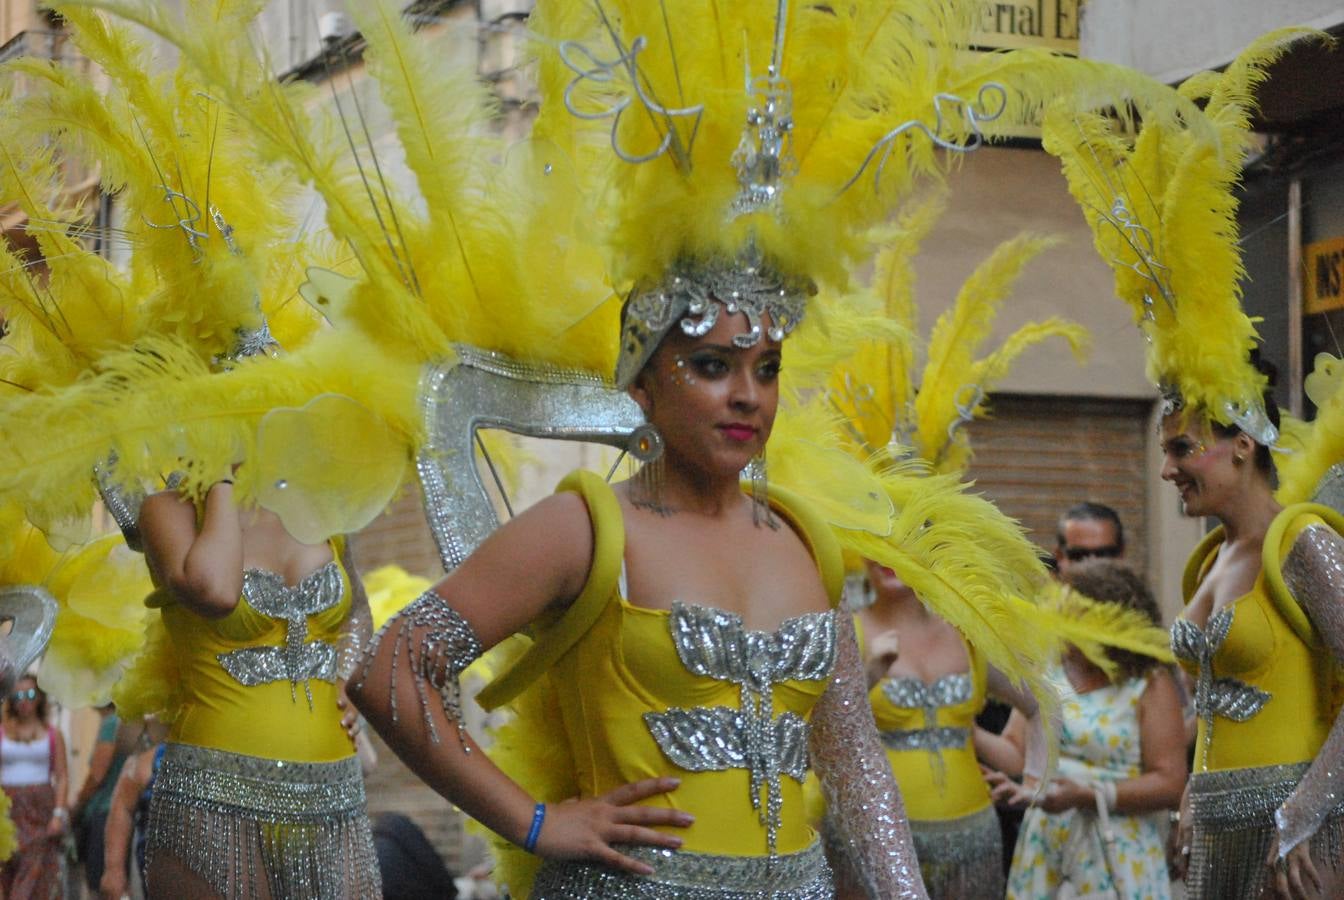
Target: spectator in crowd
[1085,531]
[33,775]
[95,795]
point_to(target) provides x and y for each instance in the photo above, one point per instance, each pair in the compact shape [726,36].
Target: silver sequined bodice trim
[1227,697]
[298,659]
[912,693]
[680,875]
[714,644]
[931,740]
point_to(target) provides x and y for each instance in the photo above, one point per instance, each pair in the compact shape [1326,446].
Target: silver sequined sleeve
[1314,572]
[866,822]
[357,630]
[433,645]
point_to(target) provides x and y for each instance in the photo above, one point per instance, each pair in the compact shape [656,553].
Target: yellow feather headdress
[1163,213]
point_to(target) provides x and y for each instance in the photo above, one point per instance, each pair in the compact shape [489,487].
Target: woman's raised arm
[202,568]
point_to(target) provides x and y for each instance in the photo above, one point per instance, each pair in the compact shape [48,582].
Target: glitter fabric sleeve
[436,644]
[865,816]
[1314,572]
[357,630]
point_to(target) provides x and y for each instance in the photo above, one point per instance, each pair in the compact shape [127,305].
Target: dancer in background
[1261,633]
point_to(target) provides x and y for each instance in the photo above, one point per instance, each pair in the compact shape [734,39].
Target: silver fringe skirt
[961,859]
[692,876]
[1233,813]
[256,827]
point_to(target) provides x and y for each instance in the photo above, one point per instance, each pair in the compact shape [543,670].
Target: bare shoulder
[548,548]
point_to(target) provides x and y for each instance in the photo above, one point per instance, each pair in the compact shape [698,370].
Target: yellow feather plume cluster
[961,555]
[1317,447]
[99,590]
[1093,626]
[1163,213]
[204,253]
[389,589]
[888,404]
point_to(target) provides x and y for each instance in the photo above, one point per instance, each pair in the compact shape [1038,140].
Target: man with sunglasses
[1088,530]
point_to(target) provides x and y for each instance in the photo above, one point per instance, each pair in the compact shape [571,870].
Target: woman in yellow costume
[926,682]
[260,793]
[1262,631]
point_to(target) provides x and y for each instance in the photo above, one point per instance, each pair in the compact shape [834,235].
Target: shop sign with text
[1051,24]
[1323,282]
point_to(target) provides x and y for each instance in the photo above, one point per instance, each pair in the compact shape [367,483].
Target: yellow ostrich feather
[1320,445]
[99,590]
[1163,212]
[887,404]
[159,408]
[1092,626]
[152,684]
[389,589]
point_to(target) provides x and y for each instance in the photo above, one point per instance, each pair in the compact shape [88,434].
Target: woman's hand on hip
[586,829]
[1294,876]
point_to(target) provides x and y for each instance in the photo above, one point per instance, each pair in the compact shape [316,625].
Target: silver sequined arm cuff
[1314,573]
[865,818]
[437,644]
[357,630]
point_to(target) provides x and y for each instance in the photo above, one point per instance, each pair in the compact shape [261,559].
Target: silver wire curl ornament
[991,101]
[604,72]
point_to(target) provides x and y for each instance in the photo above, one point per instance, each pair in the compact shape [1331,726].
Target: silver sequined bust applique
[912,693]
[298,659]
[1230,698]
[714,644]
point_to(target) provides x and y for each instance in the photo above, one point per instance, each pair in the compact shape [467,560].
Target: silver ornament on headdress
[692,293]
[1249,416]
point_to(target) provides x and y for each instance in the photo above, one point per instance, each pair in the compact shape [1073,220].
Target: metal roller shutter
[1036,456]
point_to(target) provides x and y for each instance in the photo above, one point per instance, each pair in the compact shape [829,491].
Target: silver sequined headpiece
[693,294]
[1250,417]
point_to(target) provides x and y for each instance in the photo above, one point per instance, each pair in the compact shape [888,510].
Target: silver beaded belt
[932,739]
[263,788]
[1231,799]
[680,875]
[254,827]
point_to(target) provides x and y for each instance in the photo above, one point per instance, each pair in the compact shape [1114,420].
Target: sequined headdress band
[693,294]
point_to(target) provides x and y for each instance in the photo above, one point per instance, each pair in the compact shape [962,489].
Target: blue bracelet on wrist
[538,816]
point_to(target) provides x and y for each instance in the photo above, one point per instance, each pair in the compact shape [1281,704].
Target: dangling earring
[761,513]
[646,446]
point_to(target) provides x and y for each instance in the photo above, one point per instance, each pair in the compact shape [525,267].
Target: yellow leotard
[238,695]
[1270,656]
[637,687]
[929,746]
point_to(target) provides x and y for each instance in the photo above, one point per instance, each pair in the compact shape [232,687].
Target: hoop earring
[761,513]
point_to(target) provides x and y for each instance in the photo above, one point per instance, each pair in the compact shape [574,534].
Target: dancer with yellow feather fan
[1262,630]
[927,689]
[259,792]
